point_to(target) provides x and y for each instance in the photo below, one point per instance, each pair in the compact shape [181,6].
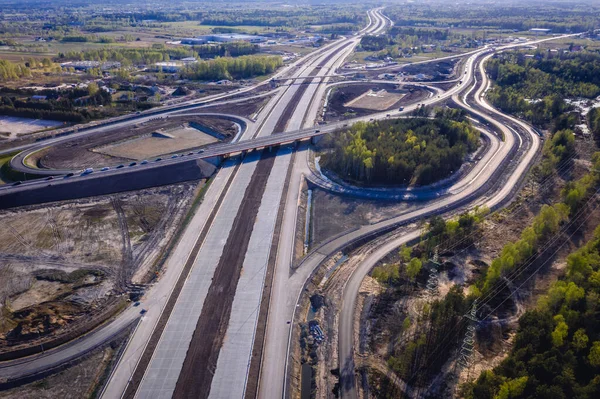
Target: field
[164,141]
[16,126]
[379,100]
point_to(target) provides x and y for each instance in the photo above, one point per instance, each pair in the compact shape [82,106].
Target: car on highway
[104,169]
[401,109]
[143,311]
[158,160]
[87,171]
[173,156]
[50,178]
[69,175]
[120,166]
[17,183]
[133,164]
[200,152]
[317,131]
[144,162]
[190,153]
[136,304]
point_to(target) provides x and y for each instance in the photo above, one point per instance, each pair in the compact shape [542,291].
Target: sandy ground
[167,141]
[17,126]
[379,100]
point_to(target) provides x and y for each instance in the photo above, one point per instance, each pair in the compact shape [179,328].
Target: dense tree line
[559,148]
[158,53]
[556,352]
[374,43]
[535,88]
[232,68]
[233,49]
[421,33]
[561,18]
[127,56]
[12,71]
[544,226]
[402,151]
[61,108]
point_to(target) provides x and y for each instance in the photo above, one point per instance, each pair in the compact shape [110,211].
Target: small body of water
[306,382]
[307,232]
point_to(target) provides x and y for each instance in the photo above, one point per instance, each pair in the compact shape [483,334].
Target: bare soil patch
[341,102]
[163,141]
[80,153]
[375,100]
[15,126]
[65,264]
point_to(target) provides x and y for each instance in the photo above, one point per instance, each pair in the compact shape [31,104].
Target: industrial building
[224,38]
[540,31]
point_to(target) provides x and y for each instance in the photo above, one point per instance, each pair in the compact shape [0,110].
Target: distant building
[224,38]
[174,66]
[540,31]
[87,65]
[168,66]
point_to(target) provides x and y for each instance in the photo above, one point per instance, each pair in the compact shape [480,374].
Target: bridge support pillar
[315,139]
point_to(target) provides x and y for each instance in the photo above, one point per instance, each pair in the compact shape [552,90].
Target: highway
[158,294]
[229,372]
[351,290]
[216,218]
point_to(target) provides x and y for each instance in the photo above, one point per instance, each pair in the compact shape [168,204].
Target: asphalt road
[286,288]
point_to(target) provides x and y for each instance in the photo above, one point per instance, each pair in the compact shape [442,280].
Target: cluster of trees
[402,151]
[158,53]
[560,17]
[535,88]
[556,150]
[556,353]
[444,234]
[232,68]
[127,56]
[287,18]
[233,49]
[374,43]
[420,356]
[61,108]
[408,268]
[439,230]
[12,71]
[544,226]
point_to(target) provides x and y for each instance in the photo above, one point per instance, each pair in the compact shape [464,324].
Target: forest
[403,151]
[12,71]
[232,68]
[534,88]
[158,52]
[560,17]
[556,352]
[76,105]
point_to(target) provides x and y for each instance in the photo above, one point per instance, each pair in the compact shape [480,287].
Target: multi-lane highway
[204,313]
